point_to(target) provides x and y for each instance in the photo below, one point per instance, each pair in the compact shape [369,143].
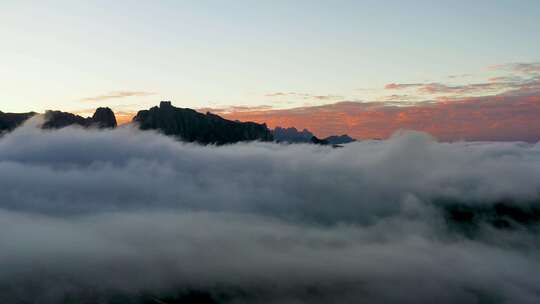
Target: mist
[125,216]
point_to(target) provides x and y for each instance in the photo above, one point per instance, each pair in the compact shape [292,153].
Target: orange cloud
[304,95]
[499,117]
[234,109]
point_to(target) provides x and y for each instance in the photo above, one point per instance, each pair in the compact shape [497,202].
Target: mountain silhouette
[192,126]
[339,139]
[182,123]
[293,136]
[102,118]
[10,121]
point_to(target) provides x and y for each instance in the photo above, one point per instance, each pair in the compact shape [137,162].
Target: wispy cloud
[494,85]
[285,94]
[117,94]
[440,88]
[304,95]
[527,67]
[401,86]
[459,76]
[505,79]
[520,67]
[235,109]
[327,97]
[510,78]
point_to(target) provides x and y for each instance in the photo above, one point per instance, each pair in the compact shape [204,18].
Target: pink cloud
[400,86]
[304,95]
[498,117]
[526,67]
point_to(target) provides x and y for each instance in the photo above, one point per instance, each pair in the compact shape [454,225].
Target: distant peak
[104,117]
[103,111]
[165,104]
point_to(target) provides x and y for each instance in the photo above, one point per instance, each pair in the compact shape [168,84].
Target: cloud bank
[498,118]
[504,106]
[121,215]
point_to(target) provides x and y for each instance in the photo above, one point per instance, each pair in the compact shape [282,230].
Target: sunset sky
[457,69]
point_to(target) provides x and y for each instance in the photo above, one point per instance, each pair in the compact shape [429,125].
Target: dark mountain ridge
[292,135]
[182,123]
[102,118]
[10,121]
[339,139]
[192,126]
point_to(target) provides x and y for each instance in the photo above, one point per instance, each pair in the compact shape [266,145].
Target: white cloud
[94,214]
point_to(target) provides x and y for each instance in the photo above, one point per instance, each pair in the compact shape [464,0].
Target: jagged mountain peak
[192,126]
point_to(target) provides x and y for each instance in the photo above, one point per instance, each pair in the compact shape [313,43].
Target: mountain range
[192,126]
[183,123]
[292,135]
[10,121]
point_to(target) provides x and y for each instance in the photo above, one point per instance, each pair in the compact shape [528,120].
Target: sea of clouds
[124,216]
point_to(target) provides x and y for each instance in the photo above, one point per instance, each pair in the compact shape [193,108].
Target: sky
[271,55]
[125,215]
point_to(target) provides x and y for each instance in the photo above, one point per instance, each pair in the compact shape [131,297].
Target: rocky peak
[9,121]
[59,119]
[104,118]
[165,105]
[292,135]
[192,126]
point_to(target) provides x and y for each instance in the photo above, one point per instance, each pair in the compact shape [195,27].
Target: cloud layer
[504,106]
[94,216]
[502,117]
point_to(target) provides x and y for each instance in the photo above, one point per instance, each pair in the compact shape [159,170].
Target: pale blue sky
[218,53]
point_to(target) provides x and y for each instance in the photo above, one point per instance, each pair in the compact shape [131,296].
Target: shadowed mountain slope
[10,121]
[292,135]
[102,118]
[192,126]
